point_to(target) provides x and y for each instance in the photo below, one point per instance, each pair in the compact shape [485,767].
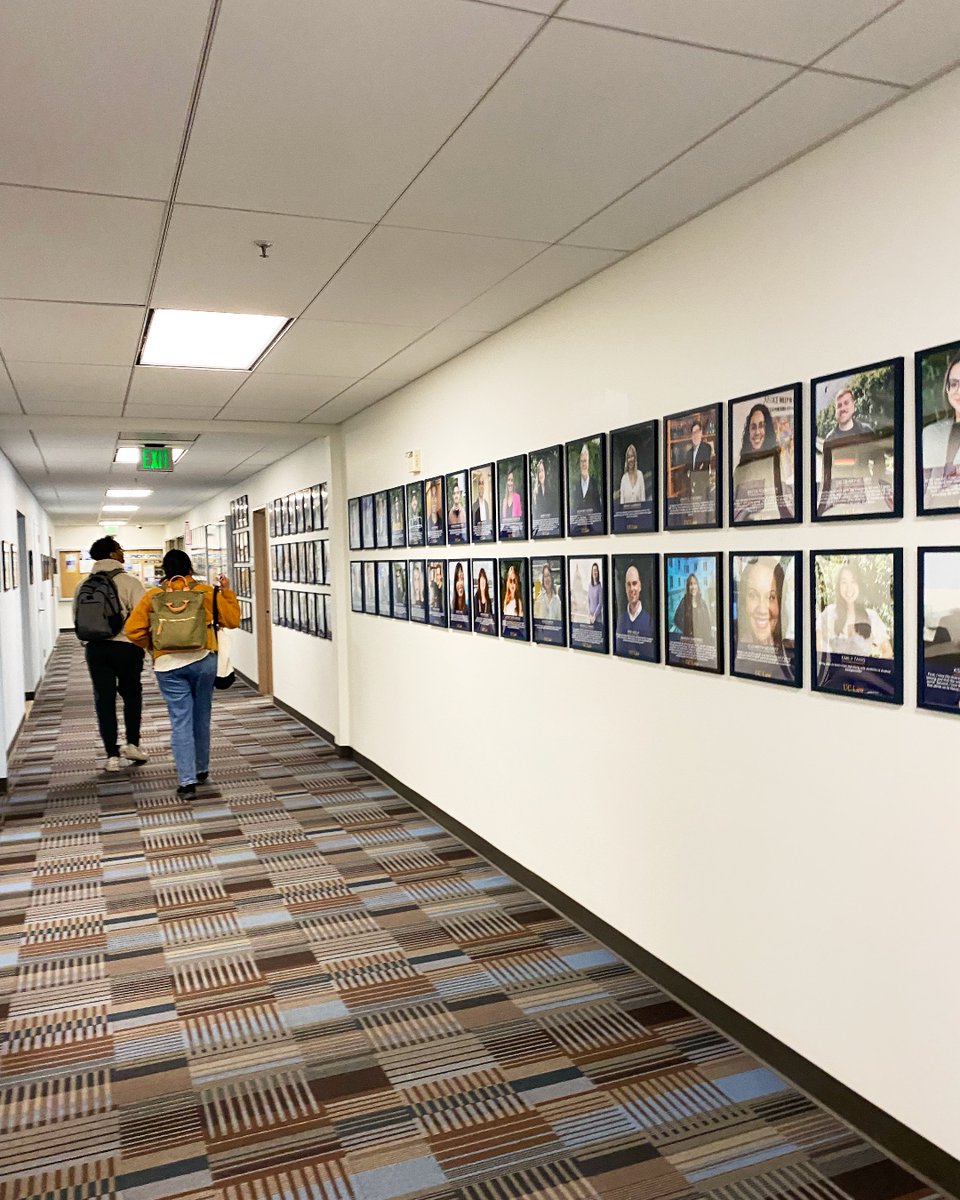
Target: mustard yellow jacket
[137,627]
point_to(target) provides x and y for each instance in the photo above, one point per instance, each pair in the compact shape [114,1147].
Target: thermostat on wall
[413,461]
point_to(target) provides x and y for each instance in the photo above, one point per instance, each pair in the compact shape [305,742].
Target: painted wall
[793,853]
[82,537]
[305,669]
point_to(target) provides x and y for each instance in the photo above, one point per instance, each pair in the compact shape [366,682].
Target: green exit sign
[156,458]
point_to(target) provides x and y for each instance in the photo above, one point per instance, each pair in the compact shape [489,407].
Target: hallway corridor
[298,987]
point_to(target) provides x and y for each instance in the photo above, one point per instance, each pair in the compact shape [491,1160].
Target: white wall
[793,853]
[82,537]
[16,497]
[305,669]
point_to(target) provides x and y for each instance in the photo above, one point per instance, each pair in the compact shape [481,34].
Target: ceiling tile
[210,261]
[280,410]
[38,331]
[175,412]
[183,386]
[537,6]
[63,246]
[347,101]
[585,114]
[68,383]
[337,348]
[806,111]
[430,351]
[265,394]
[352,401]
[64,408]
[94,97]
[21,449]
[907,45]
[416,277]
[546,276]
[776,28]
[8,397]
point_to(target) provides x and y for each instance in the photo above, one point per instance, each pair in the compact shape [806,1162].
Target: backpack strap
[216,614]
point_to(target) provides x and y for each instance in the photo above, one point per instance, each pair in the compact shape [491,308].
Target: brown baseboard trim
[910,1148]
[29,695]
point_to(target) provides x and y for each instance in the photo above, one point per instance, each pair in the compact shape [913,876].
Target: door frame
[263,621]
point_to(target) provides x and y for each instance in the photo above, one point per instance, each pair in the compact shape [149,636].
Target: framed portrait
[382,520]
[764,435]
[938,634]
[325,522]
[299,515]
[272,519]
[587,590]
[367,528]
[274,563]
[857,437]
[306,501]
[356,586]
[458,510]
[514,593]
[634,478]
[353,518]
[586,487]
[310,556]
[937,393]
[284,609]
[766,625]
[15,565]
[308,601]
[417,580]
[370,588]
[384,606]
[437,592]
[512,498]
[399,570]
[415,513]
[692,453]
[316,504]
[856,611]
[636,606]
[483,573]
[458,598]
[285,563]
[6,569]
[278,514]
[483,527]
[398,521]
[549,585]
[546,493]
[323,616]
[693,586]
[324,568]
[275,607]
[435,515]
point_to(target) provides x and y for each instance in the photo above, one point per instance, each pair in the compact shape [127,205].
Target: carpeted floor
[297,986]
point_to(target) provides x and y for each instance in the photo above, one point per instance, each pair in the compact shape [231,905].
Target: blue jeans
[188,692]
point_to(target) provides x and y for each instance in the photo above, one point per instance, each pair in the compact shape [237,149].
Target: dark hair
[176,562]
[482,597]
[103,548]
[954,359]
[686,590]
[697,425]
[769,435]
[459,602]
[861,619]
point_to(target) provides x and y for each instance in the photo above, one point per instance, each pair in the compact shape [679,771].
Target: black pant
[115,667]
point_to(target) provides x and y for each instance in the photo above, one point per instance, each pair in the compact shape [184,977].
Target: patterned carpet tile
[296,986]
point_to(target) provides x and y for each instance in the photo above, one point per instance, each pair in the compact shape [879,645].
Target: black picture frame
[848,490]
[513,598]
[765,457]
[398,571]
[547,493]
[588,615]
[512,498]
[458,519]
[396,508]
[437,592]
[635,504]
[548,587]
[353,523]
[384,589]
[765,609]
[690,644]
[367,524]
[323,571]
[356,586]
[415,514]
[306,503]
[846,668]
[370,588]
[325,524]
[381,519]
[586,506]
[317,504]
[635,578]
[459,602]
[275,607]
[417,590]
[689,501]
[938,655]
[272,520]
[484,585]
[434,517]
[937,414]
[483,503]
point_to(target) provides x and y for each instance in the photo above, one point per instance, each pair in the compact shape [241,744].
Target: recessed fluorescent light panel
[111,524]
[128,493]
[211,340]
[119,507]
[131,454]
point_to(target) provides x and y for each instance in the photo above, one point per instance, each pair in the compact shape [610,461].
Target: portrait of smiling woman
[763,436]
[765,616]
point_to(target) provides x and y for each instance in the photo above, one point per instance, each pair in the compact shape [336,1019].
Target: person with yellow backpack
[175,622]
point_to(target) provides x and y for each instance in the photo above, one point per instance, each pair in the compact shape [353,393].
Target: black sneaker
[203,776]
[187,789]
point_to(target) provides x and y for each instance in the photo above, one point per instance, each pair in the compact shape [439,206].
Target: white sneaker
[134,753]
[114,764]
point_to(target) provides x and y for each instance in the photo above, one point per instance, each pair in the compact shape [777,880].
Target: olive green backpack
[178,618]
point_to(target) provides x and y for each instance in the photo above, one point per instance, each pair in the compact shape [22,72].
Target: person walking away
[101,605]
[175,623]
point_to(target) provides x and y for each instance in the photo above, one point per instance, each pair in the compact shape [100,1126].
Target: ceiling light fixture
[128,493]
[211,340]
[111,524]
[119,507]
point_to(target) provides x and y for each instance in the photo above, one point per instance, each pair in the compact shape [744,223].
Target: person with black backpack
[101,605]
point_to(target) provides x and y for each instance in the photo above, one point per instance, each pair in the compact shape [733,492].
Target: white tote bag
[226,676]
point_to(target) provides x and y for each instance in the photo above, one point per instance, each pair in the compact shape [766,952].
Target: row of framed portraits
[303,612]
[305,511]
[603,483]
[48,567]
[246,614]
[240,513]
[9,566]
[300,562]
[581,601]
